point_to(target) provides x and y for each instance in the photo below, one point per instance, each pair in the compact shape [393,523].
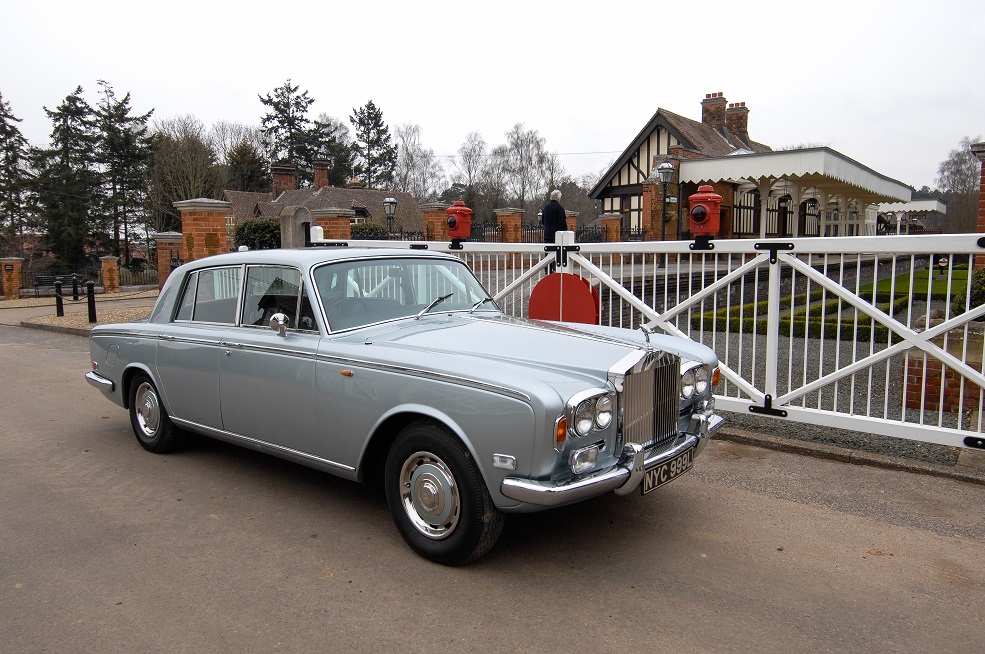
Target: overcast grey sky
[893,85]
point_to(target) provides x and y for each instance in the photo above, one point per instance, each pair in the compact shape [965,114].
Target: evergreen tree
[287,128]
[248,169]
[376,155]
[330,139]
[67,185]
[13,179]
[124,154]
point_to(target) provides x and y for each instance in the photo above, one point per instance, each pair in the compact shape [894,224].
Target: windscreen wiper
[435,302]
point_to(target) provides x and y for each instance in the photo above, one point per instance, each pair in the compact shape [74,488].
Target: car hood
[558,351]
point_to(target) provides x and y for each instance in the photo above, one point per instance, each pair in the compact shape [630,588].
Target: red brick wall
[926,393]
[338,227]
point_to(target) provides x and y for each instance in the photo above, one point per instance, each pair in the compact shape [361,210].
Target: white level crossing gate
[862,333]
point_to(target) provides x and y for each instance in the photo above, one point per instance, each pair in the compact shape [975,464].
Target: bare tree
[525,157]
[418,171]
[959,176]
[226,135]
[469,164]
[183,166]
[554,173]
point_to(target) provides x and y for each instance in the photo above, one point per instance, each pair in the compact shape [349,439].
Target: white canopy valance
[823,169]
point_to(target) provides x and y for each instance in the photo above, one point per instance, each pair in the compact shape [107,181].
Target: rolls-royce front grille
[650,401]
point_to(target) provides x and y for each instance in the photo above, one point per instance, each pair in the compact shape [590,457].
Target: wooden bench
[45,282]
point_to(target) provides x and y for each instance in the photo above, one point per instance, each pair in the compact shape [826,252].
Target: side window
[216,295]
[188,299]
[270,290]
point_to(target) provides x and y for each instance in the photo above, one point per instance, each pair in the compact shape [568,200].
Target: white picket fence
[853,333]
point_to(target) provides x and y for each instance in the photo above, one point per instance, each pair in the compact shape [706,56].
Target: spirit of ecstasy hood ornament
[646,333]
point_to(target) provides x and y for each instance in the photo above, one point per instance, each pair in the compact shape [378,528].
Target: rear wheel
[438,500]
[149,419]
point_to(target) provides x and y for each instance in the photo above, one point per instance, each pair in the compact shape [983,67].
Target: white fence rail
[860,333]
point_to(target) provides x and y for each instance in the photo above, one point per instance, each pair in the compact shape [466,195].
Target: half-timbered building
[723,130]
[766,193]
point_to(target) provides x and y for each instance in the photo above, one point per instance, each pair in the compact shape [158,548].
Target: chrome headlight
[687,384]
[603,412]
[701,380]
[590,410]
[584,417]
[695,379]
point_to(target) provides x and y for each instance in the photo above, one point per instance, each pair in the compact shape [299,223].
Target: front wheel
[149,419]
[438,500]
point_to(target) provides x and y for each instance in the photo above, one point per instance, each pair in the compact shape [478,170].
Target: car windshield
[358,293]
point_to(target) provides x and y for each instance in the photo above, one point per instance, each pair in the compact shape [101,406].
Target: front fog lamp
[584,459]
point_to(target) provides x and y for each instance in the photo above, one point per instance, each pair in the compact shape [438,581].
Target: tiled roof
[328,197]
[692,134]
[706,139]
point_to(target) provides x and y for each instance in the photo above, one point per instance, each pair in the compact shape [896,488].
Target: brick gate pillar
[510,221]
[168,248]
[435,221]
[571,220]
[335,222]
[111,274]
[12,267]
[203,227]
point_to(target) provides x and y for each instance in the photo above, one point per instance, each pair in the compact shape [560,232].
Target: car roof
[307,257]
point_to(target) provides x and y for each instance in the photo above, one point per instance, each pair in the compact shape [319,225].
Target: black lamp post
[665,172]
[389,208]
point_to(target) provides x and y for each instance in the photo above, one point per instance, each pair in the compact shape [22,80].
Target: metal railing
[861,333]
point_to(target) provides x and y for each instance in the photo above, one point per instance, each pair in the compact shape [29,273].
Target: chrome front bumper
[623,478]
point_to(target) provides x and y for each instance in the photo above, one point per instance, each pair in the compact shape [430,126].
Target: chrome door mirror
[279,323]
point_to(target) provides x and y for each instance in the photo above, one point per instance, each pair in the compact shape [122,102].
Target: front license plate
[668,471]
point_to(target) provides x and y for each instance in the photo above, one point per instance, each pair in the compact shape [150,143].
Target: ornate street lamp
[665,172]
[389,208]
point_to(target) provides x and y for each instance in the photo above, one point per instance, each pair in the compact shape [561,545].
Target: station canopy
[821,173]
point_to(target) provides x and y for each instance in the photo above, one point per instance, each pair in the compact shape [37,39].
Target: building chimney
[737,121]
[713,110]
[321,172]
[283,174]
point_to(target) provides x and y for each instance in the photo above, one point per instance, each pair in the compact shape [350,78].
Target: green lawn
[921,279]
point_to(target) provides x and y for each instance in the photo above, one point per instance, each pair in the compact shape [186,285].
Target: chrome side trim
[257,443]
[98,381]
[426,374]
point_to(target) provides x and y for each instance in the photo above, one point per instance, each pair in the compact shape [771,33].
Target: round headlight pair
[595,412]
[694,381]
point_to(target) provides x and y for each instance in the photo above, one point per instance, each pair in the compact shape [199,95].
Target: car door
[266,379]
[189,345]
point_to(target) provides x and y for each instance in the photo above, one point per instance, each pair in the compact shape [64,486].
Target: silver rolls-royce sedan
[398,366]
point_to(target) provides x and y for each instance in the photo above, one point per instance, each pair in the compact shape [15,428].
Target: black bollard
[59,307]
[75,287]
[91,299]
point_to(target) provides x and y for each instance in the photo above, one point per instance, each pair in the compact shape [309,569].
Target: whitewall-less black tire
[437,497]
[149,419]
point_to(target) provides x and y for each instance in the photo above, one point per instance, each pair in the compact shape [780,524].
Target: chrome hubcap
[429,495]
[148,409]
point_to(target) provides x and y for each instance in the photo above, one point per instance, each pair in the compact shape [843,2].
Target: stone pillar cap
[202,204]
[979,150]
[509,211]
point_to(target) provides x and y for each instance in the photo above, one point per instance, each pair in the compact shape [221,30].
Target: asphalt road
[107,548]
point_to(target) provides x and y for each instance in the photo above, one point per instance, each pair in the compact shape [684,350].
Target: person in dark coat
[553,217]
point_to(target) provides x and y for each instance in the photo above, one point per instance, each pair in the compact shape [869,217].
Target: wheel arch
[127,378]
[373,460]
